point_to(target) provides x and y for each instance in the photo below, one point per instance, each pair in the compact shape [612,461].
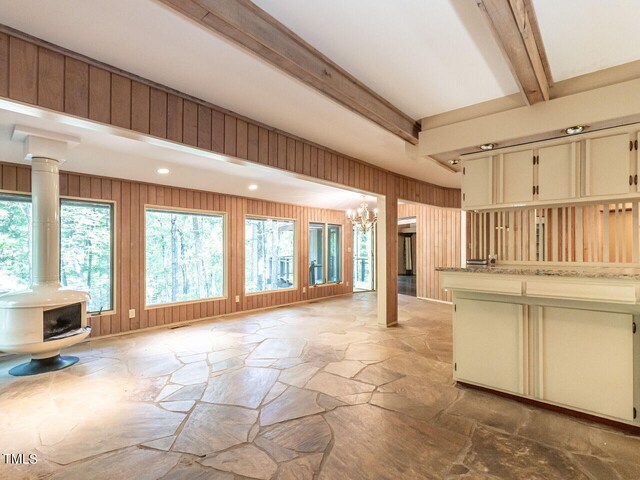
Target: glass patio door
[363,260]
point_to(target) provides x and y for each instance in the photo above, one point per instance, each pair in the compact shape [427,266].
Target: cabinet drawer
[483,283]
[582,291]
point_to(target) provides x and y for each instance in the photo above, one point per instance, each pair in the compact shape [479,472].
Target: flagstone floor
[309,391]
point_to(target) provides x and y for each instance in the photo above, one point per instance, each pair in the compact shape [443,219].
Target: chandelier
[361,218]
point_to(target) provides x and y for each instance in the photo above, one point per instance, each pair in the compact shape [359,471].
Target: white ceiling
[149,39]
[424,56]
[583,36]
[117,153]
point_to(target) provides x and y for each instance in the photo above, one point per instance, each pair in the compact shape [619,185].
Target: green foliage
[15,243]
[85,240]
[85,251]
[269,254]
[184,256]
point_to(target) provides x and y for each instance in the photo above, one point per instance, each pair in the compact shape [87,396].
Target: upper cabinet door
[557,172]
[477,183]
[516,184]
[608,165]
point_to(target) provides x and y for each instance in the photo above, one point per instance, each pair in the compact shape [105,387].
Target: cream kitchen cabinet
[477,183]
[516,181]
[556,168]
[488,344]
[610,168]
[585,360]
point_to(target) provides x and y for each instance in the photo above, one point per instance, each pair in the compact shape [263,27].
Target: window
[184,256]
[15,242]
[334,255]
[269,254]
[86,247]
[316,253]
[86,250]
[323,246]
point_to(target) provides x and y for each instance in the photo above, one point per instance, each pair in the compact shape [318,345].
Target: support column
[387,261]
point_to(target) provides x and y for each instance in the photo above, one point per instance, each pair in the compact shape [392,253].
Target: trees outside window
[86,247]
[86,250]
[15,242]
[184,256]
[269,254]
[334,253]
[316,253]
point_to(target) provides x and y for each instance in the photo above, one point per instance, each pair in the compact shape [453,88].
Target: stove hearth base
[43,365]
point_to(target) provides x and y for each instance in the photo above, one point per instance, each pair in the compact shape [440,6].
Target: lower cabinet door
[488,344]
[586,360]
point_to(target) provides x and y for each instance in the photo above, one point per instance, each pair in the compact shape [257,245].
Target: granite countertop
[569,271]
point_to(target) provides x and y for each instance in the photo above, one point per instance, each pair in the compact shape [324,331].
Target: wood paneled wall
[438,244]
[598,233]
[131,197]
[37,73]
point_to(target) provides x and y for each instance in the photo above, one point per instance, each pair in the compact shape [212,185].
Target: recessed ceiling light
[574,130]
[454,161]
[163,171]
[487,146]
[253,186]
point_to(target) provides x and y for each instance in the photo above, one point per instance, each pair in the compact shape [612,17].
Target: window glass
[334,253]
[269,254]
[15,242]
[184,256]
[86,250]
[316,253]
[86,247]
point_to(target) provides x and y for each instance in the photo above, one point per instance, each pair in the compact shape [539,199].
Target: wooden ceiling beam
[242,22]
[516,30]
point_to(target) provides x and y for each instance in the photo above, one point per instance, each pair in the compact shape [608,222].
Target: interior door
[363,260]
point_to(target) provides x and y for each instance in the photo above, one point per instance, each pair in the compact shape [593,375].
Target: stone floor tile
[211,428]
[117,427]
[406,453]
[191,374]
[293,403]
[303,468]
[178,405]
[345,368]
[508,456]
[298,375]
[370,351]
[245,387]
[190,392]
[336,386]
[120,465]
[279,348]
[246,460]
[309,434]
[377,375]
[496,412]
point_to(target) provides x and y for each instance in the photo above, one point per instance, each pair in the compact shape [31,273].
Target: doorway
[407,256]
[363,260]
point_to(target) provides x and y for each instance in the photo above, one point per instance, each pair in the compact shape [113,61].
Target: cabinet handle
[538,189]
[630,145]
[630,180]
[636,144]
[534,190]
[635,179]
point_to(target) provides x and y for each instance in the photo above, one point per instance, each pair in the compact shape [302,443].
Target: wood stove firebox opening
[62,322]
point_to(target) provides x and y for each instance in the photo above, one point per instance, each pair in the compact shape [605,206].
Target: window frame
[225,254]
[114,225]
[324,253]
[325,250]
[296,254]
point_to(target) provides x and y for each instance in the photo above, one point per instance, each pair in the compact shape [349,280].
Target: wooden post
[387,251]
